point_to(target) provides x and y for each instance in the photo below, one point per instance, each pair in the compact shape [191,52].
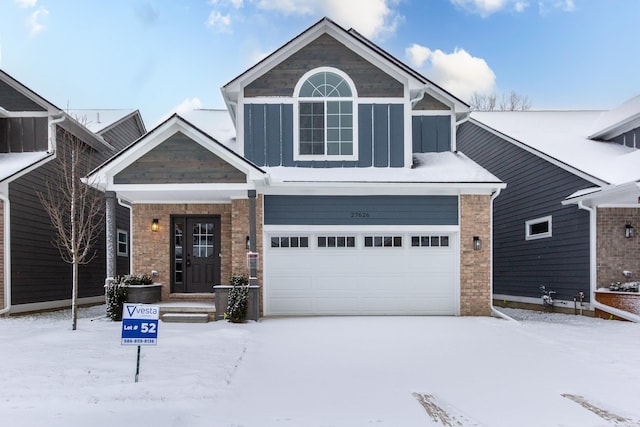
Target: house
[32,130]
[337,165]
[567,217]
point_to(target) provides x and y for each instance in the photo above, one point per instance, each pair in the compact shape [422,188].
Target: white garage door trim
[376,298]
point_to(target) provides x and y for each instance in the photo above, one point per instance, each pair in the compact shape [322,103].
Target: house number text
[359,214]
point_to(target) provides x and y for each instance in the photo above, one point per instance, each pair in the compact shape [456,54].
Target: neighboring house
[572,190]
[32,273]
[364,205]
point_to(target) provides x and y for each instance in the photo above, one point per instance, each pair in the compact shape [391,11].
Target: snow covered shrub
[116,297]
[118,290]
[238,299]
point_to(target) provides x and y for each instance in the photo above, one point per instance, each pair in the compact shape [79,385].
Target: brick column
[110,226]
[475,265]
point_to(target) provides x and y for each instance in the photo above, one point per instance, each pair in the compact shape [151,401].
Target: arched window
[326,116]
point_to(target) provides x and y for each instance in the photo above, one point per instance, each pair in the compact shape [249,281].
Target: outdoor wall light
[155,226]
[629,231]
[477,243]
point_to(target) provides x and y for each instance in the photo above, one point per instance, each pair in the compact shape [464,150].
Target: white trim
[4,196]
[48,305]
[527,228]
[311,229]
[260,100]
[119,232]
[432,113]
[296,117]
[18,114]
[540,154]
[323,188]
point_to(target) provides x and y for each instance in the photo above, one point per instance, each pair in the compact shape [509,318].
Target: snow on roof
[610,121]
[216,123]
[564,136]
[444,167]
[12,163]
[97,120]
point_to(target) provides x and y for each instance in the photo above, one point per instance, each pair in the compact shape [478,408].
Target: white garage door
[361,273]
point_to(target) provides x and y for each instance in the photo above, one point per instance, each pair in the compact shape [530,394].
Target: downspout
[53,133]
[7,255]
[129,208]
[493,309]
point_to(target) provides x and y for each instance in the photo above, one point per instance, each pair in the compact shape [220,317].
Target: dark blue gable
[269,139]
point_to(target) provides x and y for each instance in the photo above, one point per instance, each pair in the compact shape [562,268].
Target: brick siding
[152,250]
[616,252]
[475,265]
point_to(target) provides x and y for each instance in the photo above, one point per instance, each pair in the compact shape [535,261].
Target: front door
[195,253]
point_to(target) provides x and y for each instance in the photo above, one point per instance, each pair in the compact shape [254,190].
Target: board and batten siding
[431,134]
[13,100]
[269,139]
[535,189]
[24,134]
[179,160]
[325,51]
[360,210]
[630,138]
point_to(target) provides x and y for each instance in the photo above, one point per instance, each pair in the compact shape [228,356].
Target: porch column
[253,270]
[110,226]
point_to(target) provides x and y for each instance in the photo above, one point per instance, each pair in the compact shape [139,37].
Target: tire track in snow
[443,413]
[605,414]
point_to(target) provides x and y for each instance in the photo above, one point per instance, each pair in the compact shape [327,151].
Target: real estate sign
[140,324]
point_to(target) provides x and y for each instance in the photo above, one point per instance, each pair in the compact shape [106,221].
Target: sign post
[139,327]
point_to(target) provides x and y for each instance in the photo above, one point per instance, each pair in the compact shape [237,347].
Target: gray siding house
[345,158]
[548,226]
[32,274]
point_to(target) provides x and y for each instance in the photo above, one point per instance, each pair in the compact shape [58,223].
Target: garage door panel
[401,280]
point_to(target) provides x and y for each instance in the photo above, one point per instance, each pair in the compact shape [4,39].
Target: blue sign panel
[139,332]
[139,324]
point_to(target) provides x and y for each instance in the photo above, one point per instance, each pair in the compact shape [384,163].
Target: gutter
[52,131]
[7,255]
[616,311]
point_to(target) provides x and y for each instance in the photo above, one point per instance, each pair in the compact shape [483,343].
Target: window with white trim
[326,116]
[382,241]
[336,241]
[429,241]
[538,228]
[123,243]
[290,242]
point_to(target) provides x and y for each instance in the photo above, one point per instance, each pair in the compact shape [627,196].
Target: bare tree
[75,209]
[512,101]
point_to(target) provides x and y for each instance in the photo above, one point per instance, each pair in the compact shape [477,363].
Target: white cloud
[458,72]
[26,3]
[485,8]
[372,18]
[34,23]
[220,22]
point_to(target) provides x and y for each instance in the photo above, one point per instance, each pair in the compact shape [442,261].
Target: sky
[161,56]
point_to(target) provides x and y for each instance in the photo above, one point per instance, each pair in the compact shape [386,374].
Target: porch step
[199,297]
[187,311]
[185,317]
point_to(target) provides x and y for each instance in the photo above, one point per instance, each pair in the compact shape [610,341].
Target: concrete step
[187,311]
[185,317]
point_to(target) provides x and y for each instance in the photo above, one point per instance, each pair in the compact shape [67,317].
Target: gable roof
[101,120]
[353,40]
[562,137]
[617,120]
[101,176]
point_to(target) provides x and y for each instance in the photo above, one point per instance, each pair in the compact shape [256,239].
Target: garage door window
[336,241]
[429,241]
[290,242]
[383,241]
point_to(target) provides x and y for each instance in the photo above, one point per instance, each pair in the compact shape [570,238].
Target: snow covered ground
[545,370]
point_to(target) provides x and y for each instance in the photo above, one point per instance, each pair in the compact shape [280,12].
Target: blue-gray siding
[535,188]
[630,138]
[23,134]
[431,134]
[12,100]
[268,134]
[361,210]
